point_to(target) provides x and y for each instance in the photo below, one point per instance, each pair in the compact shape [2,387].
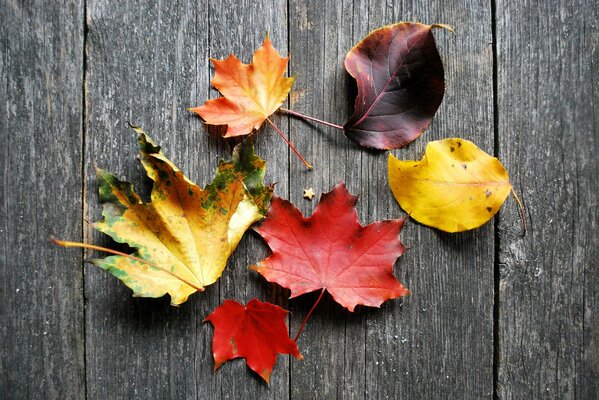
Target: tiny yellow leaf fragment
[309,194]
[455,187]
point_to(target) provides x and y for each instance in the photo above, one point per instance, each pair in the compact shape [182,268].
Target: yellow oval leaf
[455,187]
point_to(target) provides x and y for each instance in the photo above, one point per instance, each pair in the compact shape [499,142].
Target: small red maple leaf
[331,251]
[256,332]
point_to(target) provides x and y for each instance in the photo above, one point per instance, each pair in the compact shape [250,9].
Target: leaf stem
[301,329]
[306,117]
[289,144]
[63,243]
[522,216]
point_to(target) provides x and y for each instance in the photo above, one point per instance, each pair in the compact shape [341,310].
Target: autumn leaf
[455,187]
[184,236]
[256,332]
[331,251]
[400,81]
[251,92]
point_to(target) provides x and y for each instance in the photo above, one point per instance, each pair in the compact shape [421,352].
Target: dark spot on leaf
[452,149]
[459,144]
[452,165]
[489,209]
[464,166]
[488,193]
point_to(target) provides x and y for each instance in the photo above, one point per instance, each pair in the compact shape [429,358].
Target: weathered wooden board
[41,297]
[146,64]
[240,27]
[438,343]
[547,54]
[492,315]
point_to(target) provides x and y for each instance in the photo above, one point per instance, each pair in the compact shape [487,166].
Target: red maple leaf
[331,251]
[256,332]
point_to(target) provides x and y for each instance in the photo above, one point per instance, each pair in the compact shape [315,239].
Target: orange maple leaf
[251,92]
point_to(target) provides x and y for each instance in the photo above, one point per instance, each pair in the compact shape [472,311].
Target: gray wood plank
[438,343]
[147,62]
[333,341]
[547,54]
[41,290]
[239,27]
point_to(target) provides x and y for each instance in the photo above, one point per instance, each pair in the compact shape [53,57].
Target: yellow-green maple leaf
[185,234]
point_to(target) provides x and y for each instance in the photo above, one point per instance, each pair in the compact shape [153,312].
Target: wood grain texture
[239,27]
[70,331]
[146,63]
[547,55]
[41,297]
[443,333]
[320,33]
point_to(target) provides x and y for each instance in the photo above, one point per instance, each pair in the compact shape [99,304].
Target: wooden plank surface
[146,62]
[318,36]
[41,297]
[239,27]
[70,331]
[443,332]
[547,54]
